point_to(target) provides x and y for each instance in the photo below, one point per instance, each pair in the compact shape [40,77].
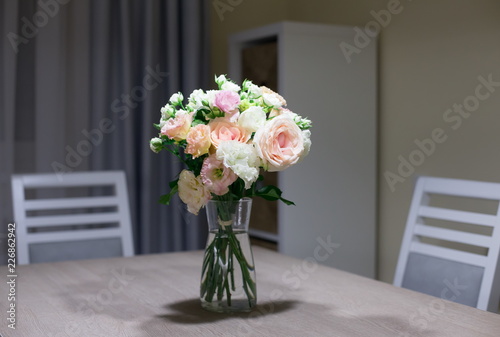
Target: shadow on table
[191,312]
[323,318]
[393,326]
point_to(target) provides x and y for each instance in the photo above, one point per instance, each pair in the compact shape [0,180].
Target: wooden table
[157,295]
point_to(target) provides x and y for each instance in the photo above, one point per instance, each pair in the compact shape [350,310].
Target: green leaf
[173,183]
[167,141]
[287,202]
[197,122]
[272,193]
[201,114]
[269,192]
[165,199]
[237,189]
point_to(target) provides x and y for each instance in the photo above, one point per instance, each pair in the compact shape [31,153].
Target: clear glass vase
[228,282]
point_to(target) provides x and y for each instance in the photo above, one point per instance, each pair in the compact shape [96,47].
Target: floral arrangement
[227,136]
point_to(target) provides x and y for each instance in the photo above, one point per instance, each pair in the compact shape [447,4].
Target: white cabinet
[334,188]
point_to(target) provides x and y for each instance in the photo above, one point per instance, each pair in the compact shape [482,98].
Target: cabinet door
[259,63]
[334,188]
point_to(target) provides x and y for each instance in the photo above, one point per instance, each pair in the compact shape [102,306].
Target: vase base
[236,306]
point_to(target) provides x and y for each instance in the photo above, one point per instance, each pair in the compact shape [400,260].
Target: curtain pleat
[8,83]
[103,69]
[148,43]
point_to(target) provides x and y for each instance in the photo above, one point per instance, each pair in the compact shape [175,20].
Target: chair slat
[453,235]
[74,179]
[93,234]
[448,253]
[462,188]
[77,219]
[73,203]
[458,216]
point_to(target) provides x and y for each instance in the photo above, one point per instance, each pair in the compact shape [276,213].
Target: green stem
[218,268]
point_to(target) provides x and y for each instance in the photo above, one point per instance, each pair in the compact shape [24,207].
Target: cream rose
[223,130]
[177,128]
[198,140]
[252,118]
[192,191]
[280,143]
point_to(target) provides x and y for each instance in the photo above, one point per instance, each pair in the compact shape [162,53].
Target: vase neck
[229,214]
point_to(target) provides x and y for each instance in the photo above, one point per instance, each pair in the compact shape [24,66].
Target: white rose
[192,191]
[167,112]
[196,99]
[252,118]
[254,91]
[211,97]
[176,98]
[221,79]
[230,86]
[181,112]
[272,100]
[241,158]
[290,113]
[306,137]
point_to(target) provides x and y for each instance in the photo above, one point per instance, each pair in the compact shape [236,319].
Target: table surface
[157,295]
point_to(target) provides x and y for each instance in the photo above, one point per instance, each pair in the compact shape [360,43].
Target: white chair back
[59,217]
[452,251]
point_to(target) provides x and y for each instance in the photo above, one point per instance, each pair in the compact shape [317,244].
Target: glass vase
[228,282]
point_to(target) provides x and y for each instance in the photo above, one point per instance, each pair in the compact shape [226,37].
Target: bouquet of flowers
[225,138]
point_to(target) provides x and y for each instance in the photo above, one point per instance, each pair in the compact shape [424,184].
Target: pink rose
[228,101]
[216,176]
[198,140]
[280,143]
[177,128]
[223,130]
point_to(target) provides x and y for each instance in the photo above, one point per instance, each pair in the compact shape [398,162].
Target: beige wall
[431,55]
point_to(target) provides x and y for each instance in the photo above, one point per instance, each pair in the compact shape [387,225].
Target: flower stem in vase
[228,278]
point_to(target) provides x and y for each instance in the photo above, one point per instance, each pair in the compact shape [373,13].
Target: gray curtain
[144,51]
[82,83]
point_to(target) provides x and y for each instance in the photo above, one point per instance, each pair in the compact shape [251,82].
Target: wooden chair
[59,217]
[450,252]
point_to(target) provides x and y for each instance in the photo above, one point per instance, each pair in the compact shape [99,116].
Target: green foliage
[194,164]
[165,199]
[237,191]
[271,193]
